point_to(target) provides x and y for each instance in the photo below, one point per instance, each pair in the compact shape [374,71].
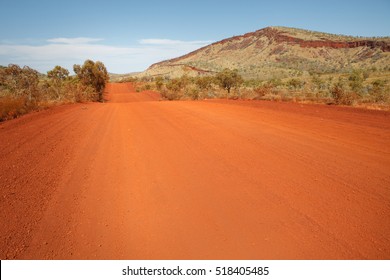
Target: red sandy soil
[138,178]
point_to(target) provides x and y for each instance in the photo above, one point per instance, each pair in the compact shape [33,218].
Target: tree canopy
[93,74]
[58,73]
[20,81]
[228,79]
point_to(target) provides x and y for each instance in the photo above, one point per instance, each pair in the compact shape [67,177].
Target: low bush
[350,88]
[12,107]
[341,95]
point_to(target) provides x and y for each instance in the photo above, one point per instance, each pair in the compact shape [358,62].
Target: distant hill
[119,77]
[277,52]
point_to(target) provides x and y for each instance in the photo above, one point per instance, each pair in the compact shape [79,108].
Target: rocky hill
[277,52]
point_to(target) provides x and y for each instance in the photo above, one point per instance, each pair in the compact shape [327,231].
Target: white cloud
[171,42]
[72,41]
[69,51]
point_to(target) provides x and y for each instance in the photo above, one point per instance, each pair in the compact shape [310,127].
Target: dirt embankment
[135,178]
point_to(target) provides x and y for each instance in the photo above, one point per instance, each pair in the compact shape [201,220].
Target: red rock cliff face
[279,37]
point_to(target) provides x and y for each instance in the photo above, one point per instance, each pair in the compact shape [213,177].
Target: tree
[174,85]
[58,73]
[159,82]
[204,83]
[21,82]
[228,79]
[93,74]
[11,78]
[57,76]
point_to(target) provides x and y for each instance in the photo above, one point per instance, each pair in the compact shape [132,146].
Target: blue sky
[131,35]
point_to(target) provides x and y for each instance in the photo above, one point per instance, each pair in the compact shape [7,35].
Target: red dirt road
[135,178]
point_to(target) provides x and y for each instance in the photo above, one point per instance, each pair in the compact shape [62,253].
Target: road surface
[139,178]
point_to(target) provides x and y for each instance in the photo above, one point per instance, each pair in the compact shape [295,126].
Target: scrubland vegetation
[24,89]
[370,88]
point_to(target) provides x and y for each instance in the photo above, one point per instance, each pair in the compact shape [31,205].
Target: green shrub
[379,93]
[295,84]
[341,95]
